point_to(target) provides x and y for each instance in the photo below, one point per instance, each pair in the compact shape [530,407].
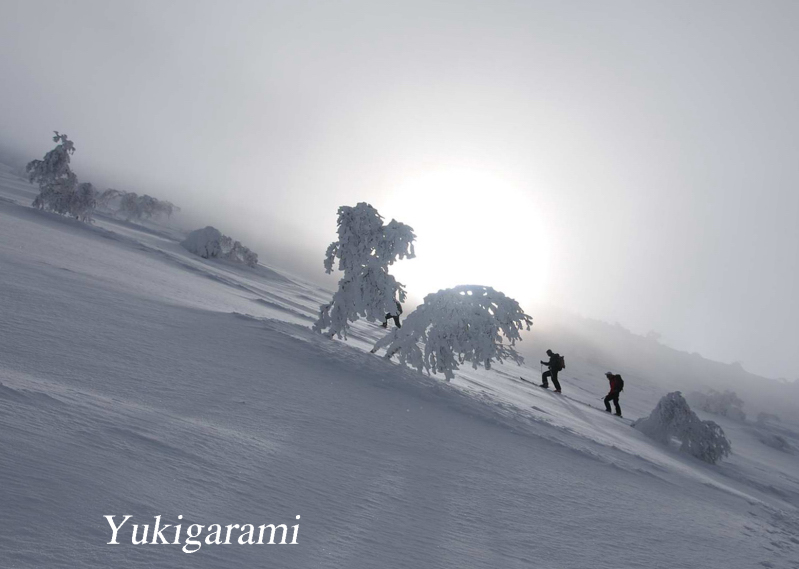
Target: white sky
[630,161]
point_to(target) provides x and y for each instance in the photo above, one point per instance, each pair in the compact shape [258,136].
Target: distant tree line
[60,192]
[131,205]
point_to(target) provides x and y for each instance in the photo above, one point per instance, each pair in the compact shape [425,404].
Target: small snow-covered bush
[59,190]
[205,242]
[462,324]
[365,249]
[673,418]
[235,251]
[209,243]
[726,404]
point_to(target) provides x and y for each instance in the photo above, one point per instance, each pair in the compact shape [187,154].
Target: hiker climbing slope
[555,364]
[395,316]
[616,386]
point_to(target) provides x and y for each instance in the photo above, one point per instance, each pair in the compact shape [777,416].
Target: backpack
[561,362]
[620,383]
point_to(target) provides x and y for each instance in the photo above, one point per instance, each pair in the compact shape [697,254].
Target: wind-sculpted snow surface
[175,387]
[467,323]
[365,249]
[674,418]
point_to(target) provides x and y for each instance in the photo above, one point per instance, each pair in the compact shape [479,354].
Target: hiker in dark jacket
[395,316]
[616,385]
[555,364]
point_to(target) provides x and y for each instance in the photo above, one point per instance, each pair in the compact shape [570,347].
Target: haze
[628,161]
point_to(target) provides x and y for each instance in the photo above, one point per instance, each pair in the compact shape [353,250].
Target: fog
[631,162]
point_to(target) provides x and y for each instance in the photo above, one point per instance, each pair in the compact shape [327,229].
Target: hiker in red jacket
[616,386]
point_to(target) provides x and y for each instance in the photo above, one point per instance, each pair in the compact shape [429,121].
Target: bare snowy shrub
[673,418]
[726,404]
[59,190]
[209,243]
[467,323]
[365,249]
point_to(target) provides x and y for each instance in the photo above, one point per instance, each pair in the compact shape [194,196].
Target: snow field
[138,379]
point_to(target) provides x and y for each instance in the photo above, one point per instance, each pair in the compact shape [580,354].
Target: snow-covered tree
[129,205]
[168,208]
[148,206]
[134,206]
[467,323]
[365,249]
[726,404]
[54,167]
[59,190]
[56,180]
[235,251]
[249,257]
[105,198]
[673,418]
[83,202]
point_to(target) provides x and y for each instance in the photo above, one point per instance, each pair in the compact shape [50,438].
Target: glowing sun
[472,227]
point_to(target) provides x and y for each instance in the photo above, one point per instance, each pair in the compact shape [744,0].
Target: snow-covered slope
[139,379]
